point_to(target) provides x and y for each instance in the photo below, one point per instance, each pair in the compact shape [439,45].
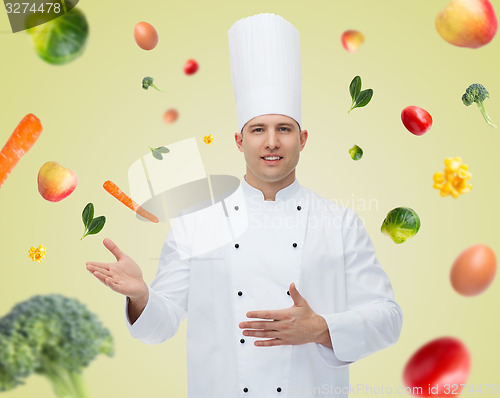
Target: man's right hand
[124,276]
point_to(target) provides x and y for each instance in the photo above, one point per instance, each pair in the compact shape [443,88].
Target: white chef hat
[264,51]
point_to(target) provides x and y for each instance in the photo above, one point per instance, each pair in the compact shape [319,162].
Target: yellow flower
[37,254]
[453,180]
[208,139]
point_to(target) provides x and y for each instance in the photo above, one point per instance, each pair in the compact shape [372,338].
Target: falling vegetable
[113,189]
[401,224]
[62,39]
[356,152]
[148,82]
[359,98]
[208,139]
[477,93]
[416,120]
[92,225]
[157,152]
[437,367]
[37,254]
[52,336]
[21,140]
[453,181]
[190,67]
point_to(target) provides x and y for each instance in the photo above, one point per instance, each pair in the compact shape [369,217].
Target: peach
[352,40]
[467,23]
[56,182]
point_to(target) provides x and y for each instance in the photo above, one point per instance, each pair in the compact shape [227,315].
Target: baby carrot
[22,139]
[113,189]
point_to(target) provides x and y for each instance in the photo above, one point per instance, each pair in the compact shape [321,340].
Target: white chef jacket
[241,254]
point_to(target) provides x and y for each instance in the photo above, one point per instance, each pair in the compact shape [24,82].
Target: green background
[98,120]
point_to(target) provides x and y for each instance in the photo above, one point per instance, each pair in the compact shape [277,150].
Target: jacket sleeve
[168,293]
[372,320]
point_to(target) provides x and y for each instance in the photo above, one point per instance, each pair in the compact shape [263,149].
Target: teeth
[272,158]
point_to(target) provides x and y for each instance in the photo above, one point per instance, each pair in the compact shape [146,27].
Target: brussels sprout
[400,224]
[356,152]
[62,39]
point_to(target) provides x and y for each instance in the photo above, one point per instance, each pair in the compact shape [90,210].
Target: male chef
[281,287]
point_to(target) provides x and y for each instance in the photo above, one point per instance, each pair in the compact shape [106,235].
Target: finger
[264,325]
[261,333]
[113,248]
[100,276]
[275,314]
[104,266]
[295,295]
[101,270]
[269,343]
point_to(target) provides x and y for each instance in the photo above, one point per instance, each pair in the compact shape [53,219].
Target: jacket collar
[289,192]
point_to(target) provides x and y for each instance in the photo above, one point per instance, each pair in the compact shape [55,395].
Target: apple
[467,23]
[56,182]
[352,40]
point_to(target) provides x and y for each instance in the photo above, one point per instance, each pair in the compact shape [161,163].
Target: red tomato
[190,67]
[416,120]
[436,367]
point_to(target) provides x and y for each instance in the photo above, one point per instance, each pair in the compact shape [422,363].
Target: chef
[281,287]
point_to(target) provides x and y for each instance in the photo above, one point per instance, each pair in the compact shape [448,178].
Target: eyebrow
[263,125]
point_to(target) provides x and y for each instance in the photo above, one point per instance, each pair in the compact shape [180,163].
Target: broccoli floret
[148,82]
[477,93]
[53,336]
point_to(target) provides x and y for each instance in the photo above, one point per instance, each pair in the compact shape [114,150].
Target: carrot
[113,189]
[21,140]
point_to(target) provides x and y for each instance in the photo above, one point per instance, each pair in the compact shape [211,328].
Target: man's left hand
[298,324]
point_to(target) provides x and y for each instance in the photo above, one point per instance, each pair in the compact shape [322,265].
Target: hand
[298,324]
[123,276]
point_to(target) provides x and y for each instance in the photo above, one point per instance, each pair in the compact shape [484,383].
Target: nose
[272,140]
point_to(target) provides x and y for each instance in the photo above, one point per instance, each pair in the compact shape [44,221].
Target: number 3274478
[457,389]
[33,7]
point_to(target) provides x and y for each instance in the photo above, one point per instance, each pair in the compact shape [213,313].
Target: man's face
[271,145]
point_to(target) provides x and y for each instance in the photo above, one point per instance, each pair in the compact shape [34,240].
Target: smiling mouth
[272,158]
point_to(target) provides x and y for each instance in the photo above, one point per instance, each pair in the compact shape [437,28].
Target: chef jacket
[240,255]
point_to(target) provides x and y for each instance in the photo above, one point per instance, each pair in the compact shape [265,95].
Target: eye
[286,128]
[255,130]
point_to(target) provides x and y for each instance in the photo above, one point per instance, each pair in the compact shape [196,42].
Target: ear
[303,138]
[238,138]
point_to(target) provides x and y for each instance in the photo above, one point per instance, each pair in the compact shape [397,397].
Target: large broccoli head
[54,336]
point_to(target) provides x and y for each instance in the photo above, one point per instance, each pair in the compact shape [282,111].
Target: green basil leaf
[96,225]
[162,149]
[355,88]
[157,155]
[88,215]
[364,98]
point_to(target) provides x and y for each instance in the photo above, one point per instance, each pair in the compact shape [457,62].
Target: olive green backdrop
[98,120]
